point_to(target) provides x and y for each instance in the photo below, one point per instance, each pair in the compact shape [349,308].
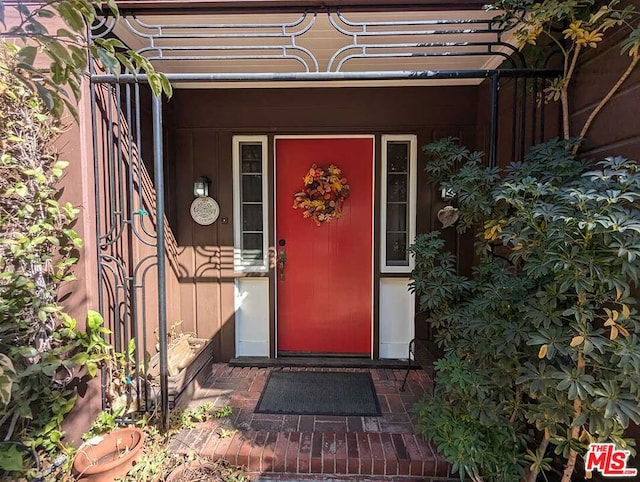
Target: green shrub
[40,347]
[543,336]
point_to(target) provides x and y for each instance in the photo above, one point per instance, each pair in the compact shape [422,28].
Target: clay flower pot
[112,455]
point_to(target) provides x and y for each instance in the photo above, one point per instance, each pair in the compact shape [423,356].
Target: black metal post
[515,133]
[493,132]
[523,131]
[534,113]
[96,186]
[160,250]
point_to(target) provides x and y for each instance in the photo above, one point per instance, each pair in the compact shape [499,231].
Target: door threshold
[316,362]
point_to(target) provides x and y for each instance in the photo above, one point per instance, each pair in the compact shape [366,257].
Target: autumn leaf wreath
[323,194]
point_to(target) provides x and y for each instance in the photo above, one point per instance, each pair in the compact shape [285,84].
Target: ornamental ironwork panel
[328,42]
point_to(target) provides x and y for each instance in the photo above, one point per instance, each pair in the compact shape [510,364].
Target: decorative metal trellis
[130,217]
[269,40]
[214,44]
[129,240]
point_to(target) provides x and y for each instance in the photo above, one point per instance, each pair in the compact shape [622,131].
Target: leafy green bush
[469,428]
[39,344]
[544,335]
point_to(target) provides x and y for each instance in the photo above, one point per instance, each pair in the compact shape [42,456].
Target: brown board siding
[365,109]
[81,294]
[203,125]
[518,128]
[616,130]
[126,221]
[127,242]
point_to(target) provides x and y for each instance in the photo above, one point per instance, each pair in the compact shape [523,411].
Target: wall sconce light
[447,194]
[201,186]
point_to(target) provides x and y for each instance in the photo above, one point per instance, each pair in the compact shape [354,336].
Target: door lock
[282,259]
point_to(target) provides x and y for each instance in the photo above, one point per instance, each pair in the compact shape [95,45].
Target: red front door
[324,292]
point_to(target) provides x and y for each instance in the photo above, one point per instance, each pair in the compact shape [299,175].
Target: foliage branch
[45,49]
[583,24]
[541,342]
[40,347]
[68,49]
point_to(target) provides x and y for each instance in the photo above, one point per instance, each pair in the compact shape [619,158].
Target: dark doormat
[319,393]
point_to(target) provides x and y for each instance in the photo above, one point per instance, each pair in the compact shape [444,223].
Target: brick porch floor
[304,446]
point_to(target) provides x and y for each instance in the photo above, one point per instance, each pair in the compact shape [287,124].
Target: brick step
[328,453]
[257,477]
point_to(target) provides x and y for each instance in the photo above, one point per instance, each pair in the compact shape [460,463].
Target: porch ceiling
[309,48]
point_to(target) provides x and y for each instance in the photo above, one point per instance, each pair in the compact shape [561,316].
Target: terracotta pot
[111,456]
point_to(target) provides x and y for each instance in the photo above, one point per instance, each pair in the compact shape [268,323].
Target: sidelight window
[249,203]
[398,202]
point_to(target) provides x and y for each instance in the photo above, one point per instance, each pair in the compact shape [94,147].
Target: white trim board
[396,318]
[252,316]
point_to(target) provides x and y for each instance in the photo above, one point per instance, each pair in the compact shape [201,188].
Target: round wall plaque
[205,210]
